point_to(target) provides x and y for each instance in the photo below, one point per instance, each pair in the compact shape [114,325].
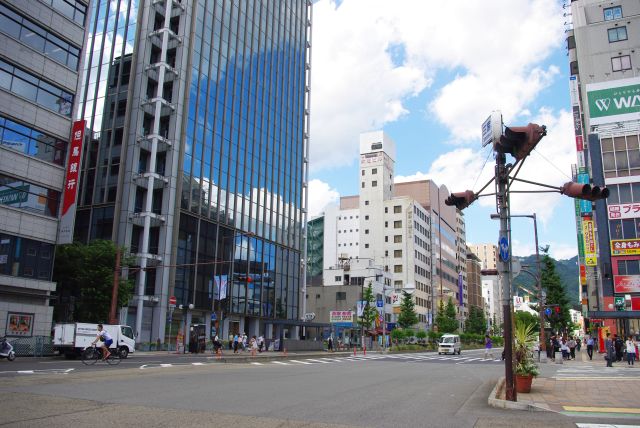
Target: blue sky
[428,73]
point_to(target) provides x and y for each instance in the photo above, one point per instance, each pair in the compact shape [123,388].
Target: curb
[498,403]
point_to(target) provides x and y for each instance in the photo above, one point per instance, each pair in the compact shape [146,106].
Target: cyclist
[106,340]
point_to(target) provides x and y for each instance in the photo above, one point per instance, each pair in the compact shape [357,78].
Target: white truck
[71,338]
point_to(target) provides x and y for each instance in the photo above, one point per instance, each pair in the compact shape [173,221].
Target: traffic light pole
[504,269]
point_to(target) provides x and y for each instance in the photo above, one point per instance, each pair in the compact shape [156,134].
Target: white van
[449,344]
[71,338]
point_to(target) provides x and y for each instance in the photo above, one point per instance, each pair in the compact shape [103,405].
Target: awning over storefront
[615,315]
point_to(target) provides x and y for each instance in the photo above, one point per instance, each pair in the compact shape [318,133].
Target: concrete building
[604,62]
[40,46]
[197,159]
[399,227]
[487,253]
[492,294]
[474,281]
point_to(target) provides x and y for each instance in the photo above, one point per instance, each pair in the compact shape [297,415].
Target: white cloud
[320,195]
[371,56]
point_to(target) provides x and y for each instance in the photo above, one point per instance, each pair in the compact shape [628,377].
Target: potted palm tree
[526,368]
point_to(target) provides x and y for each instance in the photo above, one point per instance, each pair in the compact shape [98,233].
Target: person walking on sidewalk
[253,344]
[590,348]
[610,349]
[235,343]
[618,345]
[488,347]
[330,344]
[572,348]
[631,351]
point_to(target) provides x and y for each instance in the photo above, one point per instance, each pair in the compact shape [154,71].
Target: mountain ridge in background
[568,271]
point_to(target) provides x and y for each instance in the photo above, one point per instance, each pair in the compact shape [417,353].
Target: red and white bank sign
[626,283]
[71,183]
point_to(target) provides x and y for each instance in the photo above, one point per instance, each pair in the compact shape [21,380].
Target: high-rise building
[487,253]
[604,55]
[40,55]
[474,280]
[404,228]
[196,159]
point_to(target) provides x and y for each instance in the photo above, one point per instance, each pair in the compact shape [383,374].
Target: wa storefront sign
[614,101]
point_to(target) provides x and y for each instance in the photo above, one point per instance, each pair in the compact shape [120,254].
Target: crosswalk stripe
[335,360]
[300,362]
[281,363]
[257,364]
[318,361]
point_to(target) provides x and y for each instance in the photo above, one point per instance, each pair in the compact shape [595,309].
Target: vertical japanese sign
[589,242]
[71,182]
[577,121]
[585,206]
[460,290]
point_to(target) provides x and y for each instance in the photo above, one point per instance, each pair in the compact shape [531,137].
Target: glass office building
[196,159]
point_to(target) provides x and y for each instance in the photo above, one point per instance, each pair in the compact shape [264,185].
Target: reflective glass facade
[197,152]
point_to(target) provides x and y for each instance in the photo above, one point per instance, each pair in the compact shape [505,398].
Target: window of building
[28,196]
[397,209]
[341,295]
[397,268]
[362,184]
[397,253]
[31,142]
[338,278]
[386,210]
[366,202]
[612,13]
[35,89]
[38,38]
[620,63]
[363,172]
[374,183]
[366,245]
[617,34]
[72,9]
[366,217]
[397,224]
[376,146]
[386,239]
[397,239]
[386,224]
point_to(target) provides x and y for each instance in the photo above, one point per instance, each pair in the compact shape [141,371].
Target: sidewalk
[583,387]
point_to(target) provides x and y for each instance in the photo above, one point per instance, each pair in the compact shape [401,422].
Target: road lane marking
[300,362]
[335,360]
[282,363]
[26,371]
[633,410]
[197,364]
[318,361]
[257,364]
[166,365]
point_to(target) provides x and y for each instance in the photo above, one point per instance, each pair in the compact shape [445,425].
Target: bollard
[354,351]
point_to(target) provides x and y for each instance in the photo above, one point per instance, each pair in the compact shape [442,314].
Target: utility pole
[114,290]
[504,268]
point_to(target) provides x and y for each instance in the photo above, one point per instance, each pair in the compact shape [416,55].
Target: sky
[428,73]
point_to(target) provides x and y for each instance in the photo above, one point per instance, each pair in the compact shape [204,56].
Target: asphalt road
[312,392]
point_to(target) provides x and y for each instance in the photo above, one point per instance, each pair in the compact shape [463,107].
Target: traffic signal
[584,191]
[461,200]
[519,141]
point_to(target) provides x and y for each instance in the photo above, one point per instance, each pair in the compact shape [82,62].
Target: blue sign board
[379,303]
[503,247]
[547,311]
[391,326]
[585,206]
[213,316]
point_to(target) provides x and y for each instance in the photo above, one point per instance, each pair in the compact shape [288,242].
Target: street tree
[477,322]
[446,318]
[84,274]
[369,312]
[556,296]
[526,318]
[407,317]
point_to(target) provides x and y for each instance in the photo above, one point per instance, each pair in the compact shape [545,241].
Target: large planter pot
[523,383]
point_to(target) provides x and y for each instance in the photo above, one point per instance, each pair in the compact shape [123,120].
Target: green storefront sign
[615,101]
[16,195]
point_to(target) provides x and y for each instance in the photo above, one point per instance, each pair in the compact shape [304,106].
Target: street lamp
[543,344]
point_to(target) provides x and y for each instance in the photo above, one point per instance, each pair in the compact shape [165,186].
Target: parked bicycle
[92,354]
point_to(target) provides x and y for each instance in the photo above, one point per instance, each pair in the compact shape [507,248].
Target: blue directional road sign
[503,245]
[379,303]
[213,316]
[547,311]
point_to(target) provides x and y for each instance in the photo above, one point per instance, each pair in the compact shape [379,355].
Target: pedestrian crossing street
[599,372]
[408,358]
